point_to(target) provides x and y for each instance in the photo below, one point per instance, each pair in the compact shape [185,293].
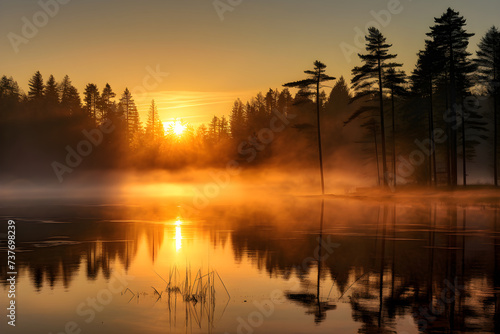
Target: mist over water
[211,183]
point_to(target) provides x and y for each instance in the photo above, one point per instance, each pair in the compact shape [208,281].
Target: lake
[276,265]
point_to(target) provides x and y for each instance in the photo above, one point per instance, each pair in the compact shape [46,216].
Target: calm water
[273,266]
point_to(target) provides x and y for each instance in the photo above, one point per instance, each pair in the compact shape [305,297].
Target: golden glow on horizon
[176,127]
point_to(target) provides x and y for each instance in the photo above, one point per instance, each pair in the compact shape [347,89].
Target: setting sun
[176,127]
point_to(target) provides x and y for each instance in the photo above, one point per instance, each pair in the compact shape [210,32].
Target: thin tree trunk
[495,121]
[319,136]
[431,132]
[376,154]
[464,152]
[382,123]
[153,127]
[453,102]
[393,139]
[495,146]
[448,133]
[430,156]
[127,129]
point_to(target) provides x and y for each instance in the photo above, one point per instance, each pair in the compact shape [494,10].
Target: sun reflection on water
[178,235]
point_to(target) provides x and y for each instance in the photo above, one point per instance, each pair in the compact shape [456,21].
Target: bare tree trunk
[453,103]
[376,154]
[393,140]
[319,135]
[495,121]
[431,133]
[464,152]
[448,133]
[382,123]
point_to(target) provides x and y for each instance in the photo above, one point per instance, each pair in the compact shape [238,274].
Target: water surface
[273,266]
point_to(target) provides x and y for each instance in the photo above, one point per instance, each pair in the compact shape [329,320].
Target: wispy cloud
[199,106]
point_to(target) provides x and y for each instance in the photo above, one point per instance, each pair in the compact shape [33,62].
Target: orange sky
[209,61]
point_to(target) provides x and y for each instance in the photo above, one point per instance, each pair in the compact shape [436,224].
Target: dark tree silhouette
[237,120]
[488,62]
[128,108]
[337,109]
[36,87]
[107,106]
[372,73]
[91,99]
[285,101]
[213,129]
[70,98]
[271,100]
[429,64]
[450,37]
[154,126]
[51,94]
[9,92]
[223,127]
[395,82]
[339,96]
[316,77]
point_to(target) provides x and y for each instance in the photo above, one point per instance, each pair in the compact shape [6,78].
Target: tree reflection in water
[434,264]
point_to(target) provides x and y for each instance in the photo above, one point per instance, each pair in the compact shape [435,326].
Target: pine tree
[429,65]
[213,129]
[9,89]
[223,128]
[395,80]
[36,88]
[10,96]
[70,99]
[237,120]
[92,98]
[107,106]
[488,62]
[371,74]
[450,38]
[51,94]
[154,127]
[337,109]
[316,77]
[271,101]
[201,134]
[261,115]
[340,96]
[131,115]
[285,101]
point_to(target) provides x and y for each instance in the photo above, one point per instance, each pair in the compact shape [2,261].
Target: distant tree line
[424,127]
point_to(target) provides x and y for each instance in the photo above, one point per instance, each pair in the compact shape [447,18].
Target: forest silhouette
[395,128]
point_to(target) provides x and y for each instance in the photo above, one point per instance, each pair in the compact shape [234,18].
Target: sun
[176,127]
